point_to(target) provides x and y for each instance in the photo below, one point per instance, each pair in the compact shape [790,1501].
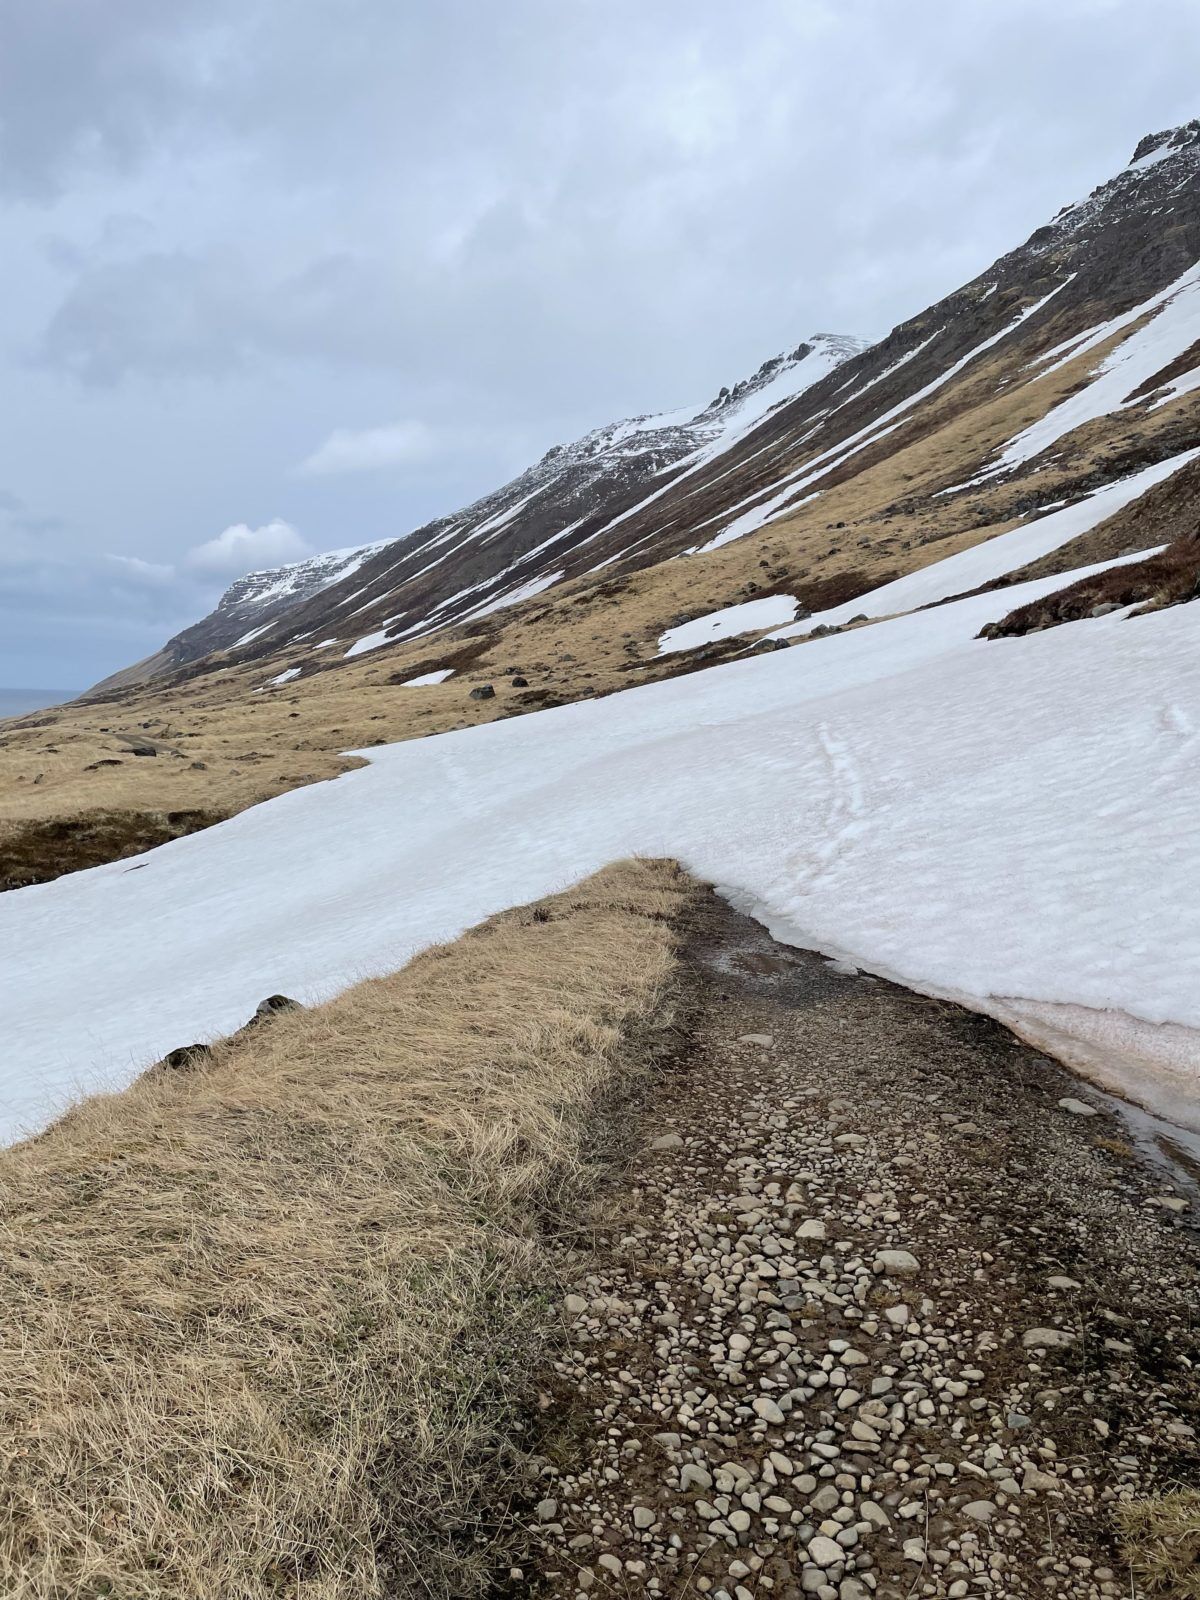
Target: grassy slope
[267,1322]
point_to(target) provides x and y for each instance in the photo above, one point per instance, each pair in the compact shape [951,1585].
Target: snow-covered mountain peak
[1162,166]
[299,578]
[521,533]
[1156,147]
[779,379]
[249,604]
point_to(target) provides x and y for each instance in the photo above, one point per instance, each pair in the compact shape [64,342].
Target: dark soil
[38,852]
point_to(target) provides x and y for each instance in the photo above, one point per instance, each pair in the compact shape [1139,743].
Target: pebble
[1048,1338]
[1078,1108]
[762,1418]
[897,1263]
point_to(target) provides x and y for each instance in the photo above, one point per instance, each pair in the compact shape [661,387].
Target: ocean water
[14,702]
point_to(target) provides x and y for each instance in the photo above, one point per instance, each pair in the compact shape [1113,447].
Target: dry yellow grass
[1162,1544]
[267,1322]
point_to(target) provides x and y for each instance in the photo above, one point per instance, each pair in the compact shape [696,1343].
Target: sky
[287,275]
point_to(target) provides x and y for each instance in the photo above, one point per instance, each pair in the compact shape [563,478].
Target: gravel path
[871,1313]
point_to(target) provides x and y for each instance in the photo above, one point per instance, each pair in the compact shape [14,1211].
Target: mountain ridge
[633,493]
[1038,420]
[603,461]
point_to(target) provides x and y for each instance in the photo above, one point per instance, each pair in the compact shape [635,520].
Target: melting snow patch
[253,634]
[753,616]
[812,471]
[1173,327]
[285,677]
[1008,822]
[370,641]
[512,597]
[428,677]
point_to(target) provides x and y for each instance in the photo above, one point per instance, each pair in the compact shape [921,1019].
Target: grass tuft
[1161,1542]
[1170,578]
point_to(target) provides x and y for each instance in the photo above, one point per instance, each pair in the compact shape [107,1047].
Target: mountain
[1065,366]
[509,545]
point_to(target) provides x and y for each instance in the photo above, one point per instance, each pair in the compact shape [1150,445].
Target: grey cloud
[96,86]
[517,207]
[28,522]
[240,549]
[237,229]
[151,574]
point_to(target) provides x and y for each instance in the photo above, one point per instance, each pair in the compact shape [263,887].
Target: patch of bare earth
[888,1306]
[1170,578]
[39,851]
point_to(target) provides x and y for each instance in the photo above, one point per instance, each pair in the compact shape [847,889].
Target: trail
[753,1397]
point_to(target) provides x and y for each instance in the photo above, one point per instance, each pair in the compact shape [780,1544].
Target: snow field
[1009,822]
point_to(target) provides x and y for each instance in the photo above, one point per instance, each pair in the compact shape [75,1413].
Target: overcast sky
[288,275]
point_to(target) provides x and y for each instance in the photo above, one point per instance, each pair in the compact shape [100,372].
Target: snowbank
[1011,822]
[439,676]
[752,616]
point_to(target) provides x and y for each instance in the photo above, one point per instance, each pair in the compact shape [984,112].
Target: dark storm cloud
[344,266]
